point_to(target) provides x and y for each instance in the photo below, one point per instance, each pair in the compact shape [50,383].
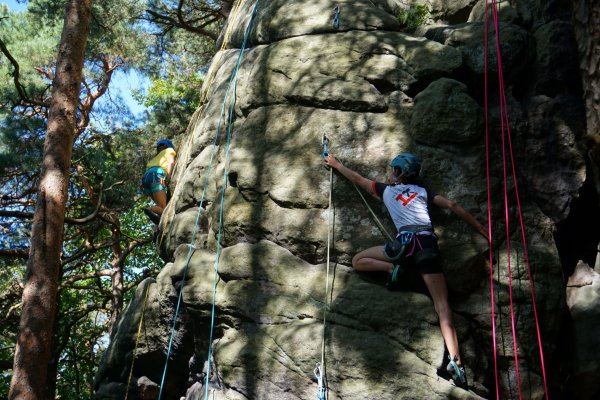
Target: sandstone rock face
[583,295]
[375,92]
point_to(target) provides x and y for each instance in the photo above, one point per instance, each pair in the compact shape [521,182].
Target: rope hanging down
[208,81]
[321,370]
[225,171]
[489,202]
[192,248]
[507,152]
[137,339]
[377,221]
[235,12]
[325,142]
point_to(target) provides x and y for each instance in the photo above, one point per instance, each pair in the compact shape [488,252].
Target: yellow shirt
[164,159]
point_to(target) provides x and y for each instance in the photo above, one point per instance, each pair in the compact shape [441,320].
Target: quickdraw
[325,143]
[336,17]
[322,391]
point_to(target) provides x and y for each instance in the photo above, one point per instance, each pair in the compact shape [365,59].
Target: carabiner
[336,17]
[325,142]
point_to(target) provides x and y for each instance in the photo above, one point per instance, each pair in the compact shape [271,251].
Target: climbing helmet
[165,142]
[409,164]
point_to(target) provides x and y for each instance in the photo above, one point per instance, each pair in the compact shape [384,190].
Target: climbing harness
[507,151]
[396,250]
[336,17]
[407,235]
[231,88]
[137,339]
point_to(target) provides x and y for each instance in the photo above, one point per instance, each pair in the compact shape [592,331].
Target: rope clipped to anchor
[320,370]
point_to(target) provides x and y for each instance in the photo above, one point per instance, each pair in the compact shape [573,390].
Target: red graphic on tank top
[406,200]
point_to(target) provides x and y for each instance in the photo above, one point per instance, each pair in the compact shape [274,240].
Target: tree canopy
[107,248]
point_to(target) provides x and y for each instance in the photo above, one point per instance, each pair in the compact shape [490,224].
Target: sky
[125,84]
[13,5]
[121,83]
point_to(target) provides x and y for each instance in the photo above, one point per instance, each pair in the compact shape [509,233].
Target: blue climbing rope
[192,248]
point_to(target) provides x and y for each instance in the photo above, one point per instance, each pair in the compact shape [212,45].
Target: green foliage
[111,151]
[34,46]
[11,274]
[172,101]
[413,16]
[107,152]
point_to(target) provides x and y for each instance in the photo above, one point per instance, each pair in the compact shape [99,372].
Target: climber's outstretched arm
[443,202]
[349,174]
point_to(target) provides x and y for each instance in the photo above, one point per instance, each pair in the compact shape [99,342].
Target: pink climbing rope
[489,202]
[503,124]
[520,214]
[504,121]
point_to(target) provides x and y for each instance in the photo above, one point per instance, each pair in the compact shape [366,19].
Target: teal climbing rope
[191,247]
[227,147]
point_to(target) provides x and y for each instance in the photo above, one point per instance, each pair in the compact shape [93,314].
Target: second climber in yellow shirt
[157,176]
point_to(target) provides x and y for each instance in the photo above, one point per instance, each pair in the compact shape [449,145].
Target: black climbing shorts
[422,254]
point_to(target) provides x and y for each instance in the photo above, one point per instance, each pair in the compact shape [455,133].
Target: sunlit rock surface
[374,91]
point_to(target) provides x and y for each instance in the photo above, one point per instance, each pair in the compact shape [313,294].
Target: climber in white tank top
[416,244]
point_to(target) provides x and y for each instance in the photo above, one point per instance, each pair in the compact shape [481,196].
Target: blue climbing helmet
[409,164]
[165,142]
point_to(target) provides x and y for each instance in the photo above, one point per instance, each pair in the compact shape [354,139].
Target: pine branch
[16,76]
[9,253]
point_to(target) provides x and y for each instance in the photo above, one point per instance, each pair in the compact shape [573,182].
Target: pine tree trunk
[117,273]
[34,344]
[586,18]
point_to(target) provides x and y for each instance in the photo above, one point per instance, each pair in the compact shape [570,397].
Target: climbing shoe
[154,217]
[155,234]
[457,372]
[393,281]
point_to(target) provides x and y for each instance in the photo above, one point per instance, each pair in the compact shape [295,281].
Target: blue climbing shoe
[394,277]
[457,372]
